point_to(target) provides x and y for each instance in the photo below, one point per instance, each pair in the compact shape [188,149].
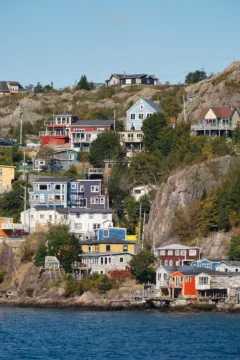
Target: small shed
[51,263]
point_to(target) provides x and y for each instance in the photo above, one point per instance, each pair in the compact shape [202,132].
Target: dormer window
[141,107]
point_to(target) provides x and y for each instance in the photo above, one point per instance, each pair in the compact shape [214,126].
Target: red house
[177,255]
[183,284]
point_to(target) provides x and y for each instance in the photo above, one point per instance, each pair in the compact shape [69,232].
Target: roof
[93,123]
[53,180]
[83,211]
[107,241]
[133,76]
[230,263]
[220,112]
[7,166]
[177,247]
[153,105]
[210,260]
[65,114]
[4,85]
[173,269]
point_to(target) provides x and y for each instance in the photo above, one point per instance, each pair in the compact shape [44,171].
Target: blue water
[56,334]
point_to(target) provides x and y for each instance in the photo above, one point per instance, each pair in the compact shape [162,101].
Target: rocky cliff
[182,188]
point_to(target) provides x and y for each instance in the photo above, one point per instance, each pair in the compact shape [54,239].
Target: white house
[82,222]
[141,190]
[228,266]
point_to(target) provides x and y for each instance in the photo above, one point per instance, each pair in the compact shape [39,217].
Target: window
[141,107]
[165,276]
[149,114]
[81,188]
[136,191]
[162,252]
[121,260]
[166,263]
[188,279]
[58,187]
[177,252]
[192,252]
[73,197]
[41,216]
[100,130]
[95,201]
[0,171]
[108,247]
[96,226]
[109,260]
[104,216]
[132,116]
[91,216]
[102,200]
[50,197]
[89,249]
[177,263]
[140,116]
[94,188]
[78,216]
[170,263]
[50,217]
[105,233]
[101,261]
[125,247]
[182,252]
[82,202]
[203,280]
[170,252]
[77,226]
[73,186]
[43,187]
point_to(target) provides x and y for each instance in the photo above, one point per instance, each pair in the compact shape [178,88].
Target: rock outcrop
[182,188]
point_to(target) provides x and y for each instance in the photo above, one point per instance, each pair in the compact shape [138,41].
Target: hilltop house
[216,121]
[10,87]
[6,177]
[138,112]
[228,266]
[177,255]
[134,79]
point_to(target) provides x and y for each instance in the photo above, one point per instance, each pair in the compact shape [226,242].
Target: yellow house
[6,177]
[6,226]
[108,246]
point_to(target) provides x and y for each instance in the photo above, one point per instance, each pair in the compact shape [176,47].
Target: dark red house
[177,255]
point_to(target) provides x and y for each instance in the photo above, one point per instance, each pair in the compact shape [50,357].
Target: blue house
[142,109]
[87,194]
[111,233]
[206,263]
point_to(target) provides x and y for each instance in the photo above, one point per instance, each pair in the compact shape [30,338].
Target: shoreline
[105,305]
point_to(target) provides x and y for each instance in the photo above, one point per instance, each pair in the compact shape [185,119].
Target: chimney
[124,74]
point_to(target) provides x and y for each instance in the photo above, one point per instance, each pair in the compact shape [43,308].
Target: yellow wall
[113,248]
[131,237]
[210,115]
[6,177]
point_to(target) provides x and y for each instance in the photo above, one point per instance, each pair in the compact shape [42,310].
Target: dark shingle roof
[153,105]
[3,86]
[133,76]
[93,123]
[53,180]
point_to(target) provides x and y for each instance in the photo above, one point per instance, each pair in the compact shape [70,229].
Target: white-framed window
[177,263]
[121,259]
[81,188]
[170,263]
[132,116]
[82,202]
[102,200]
[203,280]
[141,107]
[176,252]
[94,188]
[188,279]
[95,201]
[192,252]
[105,233]
[183,252]
[166,263]
[73,186]
[73,197]
[91,216]
[149,114]
[140,116]
[96,226]
[41,216]
[162,252]
[170,252]
[104,216]
[100,130]
[77,226]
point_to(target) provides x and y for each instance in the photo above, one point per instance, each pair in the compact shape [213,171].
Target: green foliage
[152,127]
[40,255]
[3,272]
[171,107]
[64,245]
[29,292]
[83,84]
[142,266]
[236,134]
[234,250]
[27,251]
[38,88]
[221,78]
[223,220]
[106,146]
[97,283]
[195,77]
[73,287]
[119,125]
[11,202]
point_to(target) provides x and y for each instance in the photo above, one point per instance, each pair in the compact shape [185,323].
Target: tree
[236,133]
[142,266]
[40,255]
[234,250]
[223,220]
[195,77]
[83,83]
[38,88]
[11,202]
[106,146]
[29,87]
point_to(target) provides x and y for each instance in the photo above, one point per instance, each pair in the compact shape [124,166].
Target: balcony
[131,136]
[203,127]
[53,133]
[6,226]
[48,122]
[82,139]
[46,202]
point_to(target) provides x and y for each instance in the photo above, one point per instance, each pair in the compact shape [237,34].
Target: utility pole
[184,109]
[20,131]
[24,169]
[143,229]
[114,117]
[140,223]
[54,203]
[25,207]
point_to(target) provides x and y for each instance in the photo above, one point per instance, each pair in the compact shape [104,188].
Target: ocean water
[68,335]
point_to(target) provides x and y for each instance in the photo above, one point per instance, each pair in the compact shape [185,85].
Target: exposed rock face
[215,91]
[181,189]
[214,247]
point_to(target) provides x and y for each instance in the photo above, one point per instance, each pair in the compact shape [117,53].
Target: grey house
[142,109]
[134,79]
[10,87]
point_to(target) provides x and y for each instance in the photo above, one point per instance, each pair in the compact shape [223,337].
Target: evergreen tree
[223,220]
[195,77]
[142,266]
[83,83]
[38,88]
[234,250]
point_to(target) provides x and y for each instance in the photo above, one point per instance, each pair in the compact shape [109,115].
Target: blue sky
[59,40]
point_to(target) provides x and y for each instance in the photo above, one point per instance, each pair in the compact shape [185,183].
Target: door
[42,199]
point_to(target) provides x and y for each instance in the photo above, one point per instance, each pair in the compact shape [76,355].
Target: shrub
[73,287]
[2,275]
[29,292]
[27,251]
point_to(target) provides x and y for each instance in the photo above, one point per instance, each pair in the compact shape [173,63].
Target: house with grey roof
[10,87]
[228,266]
[138,112]
[131,79]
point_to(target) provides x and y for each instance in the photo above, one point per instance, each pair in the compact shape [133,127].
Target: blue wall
[116,233]
[205,264]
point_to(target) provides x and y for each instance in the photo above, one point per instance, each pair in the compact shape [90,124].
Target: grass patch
[221,78]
